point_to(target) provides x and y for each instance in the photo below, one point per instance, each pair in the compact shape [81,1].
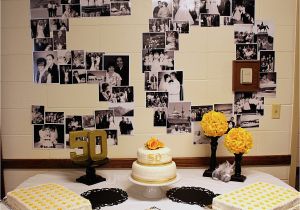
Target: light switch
[276,111]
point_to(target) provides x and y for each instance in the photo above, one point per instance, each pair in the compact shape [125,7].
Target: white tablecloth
[119,179]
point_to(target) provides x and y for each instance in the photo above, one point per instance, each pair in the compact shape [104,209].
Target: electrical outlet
[276,111]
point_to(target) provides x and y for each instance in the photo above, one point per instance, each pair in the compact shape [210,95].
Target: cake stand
[154,191]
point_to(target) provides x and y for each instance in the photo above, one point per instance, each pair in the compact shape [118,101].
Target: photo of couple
[171,82]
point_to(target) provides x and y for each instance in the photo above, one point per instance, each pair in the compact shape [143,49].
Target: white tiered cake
[154,164]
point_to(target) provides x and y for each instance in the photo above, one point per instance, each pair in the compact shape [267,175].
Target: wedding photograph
[37,114]
[40,28]
[210,20]
[117,65]
[151,83]
[221,7]
[187,10]
[96,77]
[54,118]
[123,94]
[243,33]
[267,61]
[171,82]
[154,40]
[88,122]
[246,51]
[248,103]
[159,24]
[157,99]
[156,60]
[78,59]
[267,84]
[226,109]
[61,24]
[43,44]
[199,137]
[73,123]
[104,119]
[162,8]
[182,27]
[94,61]
[45,8]
[179,118]
[243,11]
[122,109]
[197,112]
[160,117]
[49,136]
[65,74]
[120,9]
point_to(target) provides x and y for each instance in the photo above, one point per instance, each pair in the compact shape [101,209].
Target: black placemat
[191,195]
[105,197]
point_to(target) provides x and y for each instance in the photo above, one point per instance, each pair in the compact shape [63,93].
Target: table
[119,179]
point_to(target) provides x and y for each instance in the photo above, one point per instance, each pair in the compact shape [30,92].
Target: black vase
[213,157]
[238,177]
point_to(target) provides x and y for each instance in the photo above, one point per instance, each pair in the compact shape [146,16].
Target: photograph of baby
[112,137]
[65,74]
[96,77]
[45,8]
[120,9]
[43,44]
[248,103]
[151,83]
[123,94]
[156,60]
[243,33]
[54,117]
[157,99]
[226,109]
[171,82]
[88,122]
[40,28]
[179,118]
[49,136]
[37,114]
[154,40]
[79,76]
[182,27]
[95,8]
[197,112]
[267,61]
[243,11]
[210,20]
[104,119]
[199,137]
[71,11]
[246,51]
[160,117]
[162,8]
[73,123]
[172,42]
[94,60]
[267,84]
[159,24]
[59,24]
[78,59]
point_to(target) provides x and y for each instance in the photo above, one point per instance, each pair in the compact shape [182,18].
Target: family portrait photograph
[88,122]
[45,8]
[246,51]
[73,123]
[157,99]
[154,40]
[156,60]
[159,24]
[197,112]
[162,8]
[243,33]
[160,117]
[104,119]
[267,84]
[179,118]
[245,103]
[267,61]
[43,44]
[54,117]
[37,114]
[94,61]
[118,69]
[243,11]
[65,74]
[49,136]
[171,82]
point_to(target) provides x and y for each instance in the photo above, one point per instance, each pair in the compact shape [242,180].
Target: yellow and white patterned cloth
[46,197]
[258,196]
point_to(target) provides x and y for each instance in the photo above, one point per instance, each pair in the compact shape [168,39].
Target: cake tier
[46,196]
[154,174]
[257,196]
[154,157]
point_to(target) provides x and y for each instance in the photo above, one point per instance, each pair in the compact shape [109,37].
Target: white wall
[205,56]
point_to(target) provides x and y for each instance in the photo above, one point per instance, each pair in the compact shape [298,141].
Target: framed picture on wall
[245,76]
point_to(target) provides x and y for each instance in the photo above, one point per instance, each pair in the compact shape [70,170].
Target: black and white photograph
[172,40]
[154,40]
[151,81]
[226,109]
[264,34]
[45,67]
[123,94]
[179,118]
[210,20]
[94,61]
[104,119]
[37,114]
[61,24]
[64,57]
[96,77]
[182,27]
[162,8]
[243,33]
[267,61]
[157,99]
[199,137]
[73,123]
[264,42]
[120,9]
[246,51]
[243,11]
[88,122]
[79,76]
[118,69]
[227,21]
[187,10]
[59,40]
[45,8]
[267,84]
[221,7]
[43,44]
[105,91]
[197,112]
[71,11]
[122,109]
[247,121]
[70,1]
[78,59]
[156,60]
[248,103]
[49,136]
[65,74]
[95,8]
[159,24]
[54,117]
[160,117]
[171,82]
[112,137]
[40,28]
[125,125]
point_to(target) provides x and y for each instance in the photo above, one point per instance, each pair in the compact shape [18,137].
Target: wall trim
[127,162]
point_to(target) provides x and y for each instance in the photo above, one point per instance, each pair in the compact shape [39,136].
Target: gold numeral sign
[87,143]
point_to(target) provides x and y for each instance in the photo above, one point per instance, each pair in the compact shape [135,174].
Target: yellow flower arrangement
[238,141]
[214,124]
[153,143]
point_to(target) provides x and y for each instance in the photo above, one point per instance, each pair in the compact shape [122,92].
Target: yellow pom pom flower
[214,124]
[238,140]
